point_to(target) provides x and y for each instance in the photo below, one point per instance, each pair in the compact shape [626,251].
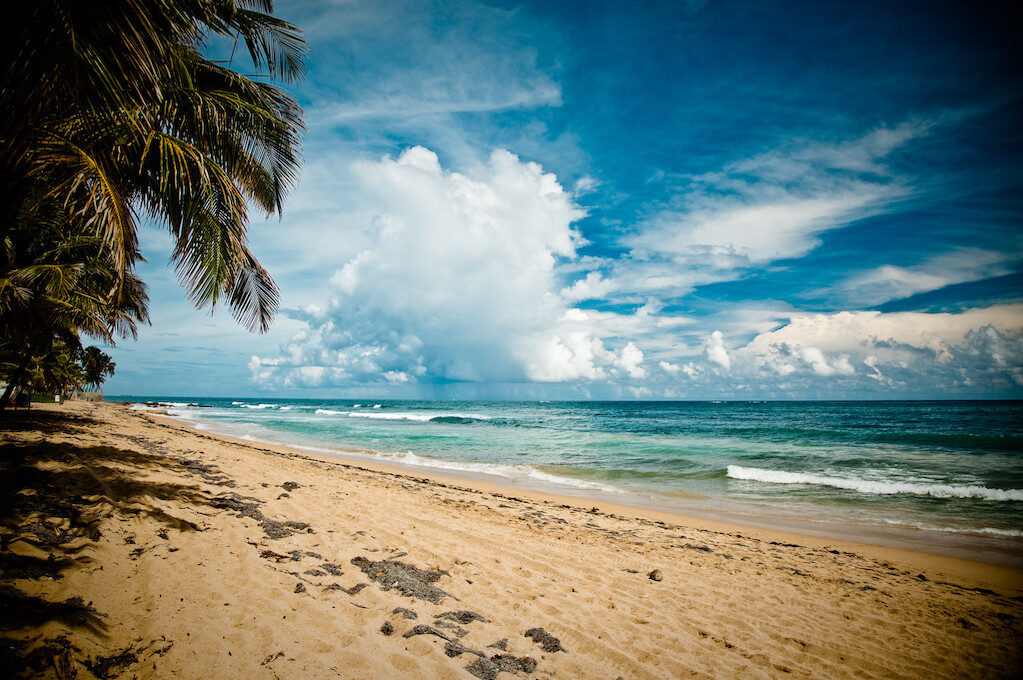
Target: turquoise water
[946,467]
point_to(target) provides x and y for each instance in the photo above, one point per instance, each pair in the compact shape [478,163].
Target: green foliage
[114,108]
[55,287]
[57,371]
[96,366]
[63,369]
[112,112]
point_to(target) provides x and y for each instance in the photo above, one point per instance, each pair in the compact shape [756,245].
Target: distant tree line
[110,112]
[65,370]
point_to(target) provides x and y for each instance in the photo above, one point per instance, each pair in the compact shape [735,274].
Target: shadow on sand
[53,500]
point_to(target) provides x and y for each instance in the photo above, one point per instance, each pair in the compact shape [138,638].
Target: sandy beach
[133,546]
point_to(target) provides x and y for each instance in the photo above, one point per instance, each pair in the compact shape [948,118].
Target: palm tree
[55,285]
[58,370]
[112,111]
[96,366]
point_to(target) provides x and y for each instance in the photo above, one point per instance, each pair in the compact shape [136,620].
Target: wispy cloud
[775,205]
[753,212]
[890,282]
[416,103]
[396,63]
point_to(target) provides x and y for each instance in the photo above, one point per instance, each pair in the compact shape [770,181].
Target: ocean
[945,476]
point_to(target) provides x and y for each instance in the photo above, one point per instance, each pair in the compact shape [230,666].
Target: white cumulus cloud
[716,351]
[458,283]
[904,349]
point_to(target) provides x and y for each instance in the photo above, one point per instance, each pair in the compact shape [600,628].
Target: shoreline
[971,547]
[950,563]
[134,545]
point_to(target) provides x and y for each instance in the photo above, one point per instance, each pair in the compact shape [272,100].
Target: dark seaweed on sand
[111,666]
[405,578]
[464,617]
[547,642]
[488,669]
[247,506]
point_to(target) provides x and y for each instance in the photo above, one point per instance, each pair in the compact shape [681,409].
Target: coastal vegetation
[64,370]
[115,113]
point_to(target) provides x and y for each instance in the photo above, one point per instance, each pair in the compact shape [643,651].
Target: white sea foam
[879,487]
[376,405]
[160,405]
[237,403]
[420,417]
[494,469]
[510,472]
[1011,533]
[992,531]
[259,406]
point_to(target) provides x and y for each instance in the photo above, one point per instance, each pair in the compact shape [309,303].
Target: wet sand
[132,546]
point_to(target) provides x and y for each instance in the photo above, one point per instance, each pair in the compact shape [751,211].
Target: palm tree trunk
[16,377]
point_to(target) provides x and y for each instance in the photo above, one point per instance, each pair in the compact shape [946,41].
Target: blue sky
[683,200]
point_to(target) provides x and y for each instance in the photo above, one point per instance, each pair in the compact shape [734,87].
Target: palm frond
[254,296]
[273,43]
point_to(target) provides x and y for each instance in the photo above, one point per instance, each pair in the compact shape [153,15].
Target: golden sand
[197,556]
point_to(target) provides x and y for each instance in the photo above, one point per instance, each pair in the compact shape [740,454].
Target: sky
[631,200]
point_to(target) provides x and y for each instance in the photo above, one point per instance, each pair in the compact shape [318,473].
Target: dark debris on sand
[464,617]
[405,578]
[247,506]
[514,664]
[17,662]
[210,474]
[111,666]
[423,629]
[547,642]
[455,648]
[487,669]
[455,629]
[356,589]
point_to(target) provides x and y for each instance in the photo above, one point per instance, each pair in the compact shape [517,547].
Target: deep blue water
[954,467]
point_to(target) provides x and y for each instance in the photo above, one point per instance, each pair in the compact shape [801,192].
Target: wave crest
[456,418]
[876,487]
[496,469]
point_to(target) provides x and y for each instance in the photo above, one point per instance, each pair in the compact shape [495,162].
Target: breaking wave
[456,418]
[878,487]
[496,469]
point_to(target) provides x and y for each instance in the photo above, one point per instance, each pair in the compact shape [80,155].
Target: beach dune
[133,546]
